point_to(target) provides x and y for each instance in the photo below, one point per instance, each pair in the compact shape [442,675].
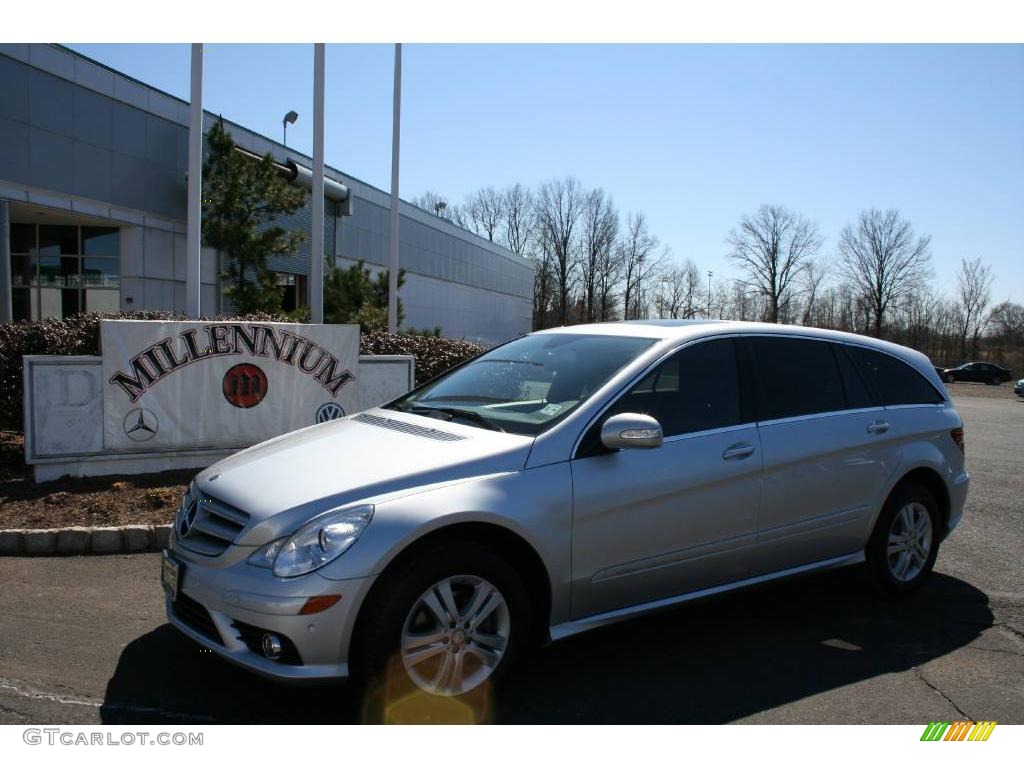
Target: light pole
[291,117]
[710,273]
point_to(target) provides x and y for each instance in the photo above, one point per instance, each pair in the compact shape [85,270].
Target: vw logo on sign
[141,424]
[329,412]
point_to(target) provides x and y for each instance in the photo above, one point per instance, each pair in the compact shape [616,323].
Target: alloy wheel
[910,542]
[455,635]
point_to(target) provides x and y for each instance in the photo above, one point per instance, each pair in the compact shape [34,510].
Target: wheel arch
[930,479]
[513,547]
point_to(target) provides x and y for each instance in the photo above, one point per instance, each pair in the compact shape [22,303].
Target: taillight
[958,438]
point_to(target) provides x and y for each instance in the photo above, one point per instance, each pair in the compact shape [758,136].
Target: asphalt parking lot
[83,640]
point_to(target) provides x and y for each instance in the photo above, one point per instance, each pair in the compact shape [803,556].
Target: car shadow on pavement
[709,662]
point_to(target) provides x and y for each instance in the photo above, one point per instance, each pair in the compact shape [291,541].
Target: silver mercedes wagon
[564,480]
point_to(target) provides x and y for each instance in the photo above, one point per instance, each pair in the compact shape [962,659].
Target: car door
[653,523]
[825,451]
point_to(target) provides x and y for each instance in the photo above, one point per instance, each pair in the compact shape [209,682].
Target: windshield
[527,385]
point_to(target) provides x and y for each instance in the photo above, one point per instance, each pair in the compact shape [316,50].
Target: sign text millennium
[221,339]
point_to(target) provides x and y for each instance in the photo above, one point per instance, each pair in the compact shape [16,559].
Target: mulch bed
[87,501]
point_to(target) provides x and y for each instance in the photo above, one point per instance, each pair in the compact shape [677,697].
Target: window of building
[293,290]
[59,270]
[796,377]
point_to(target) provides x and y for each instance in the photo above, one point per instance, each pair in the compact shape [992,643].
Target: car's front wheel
[905,542]
[448,620]
[948,378]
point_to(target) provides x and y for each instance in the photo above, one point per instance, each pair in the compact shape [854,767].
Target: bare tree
[560,207]
[484,211]
[814,274]
[772,248]
[884,260]
[435,203]
[544,280]
[974,291]
[678,291]
[637,252]
[520,218]
[600,229]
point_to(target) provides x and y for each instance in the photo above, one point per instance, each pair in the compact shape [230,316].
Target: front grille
[208,526]
[195,616]
[411,429]
[253,638]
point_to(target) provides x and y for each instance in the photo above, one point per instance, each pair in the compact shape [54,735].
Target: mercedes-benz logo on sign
[245,385]
[141,424]
[329,412]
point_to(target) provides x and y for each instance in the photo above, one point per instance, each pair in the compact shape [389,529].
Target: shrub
[80,335]
[434,355]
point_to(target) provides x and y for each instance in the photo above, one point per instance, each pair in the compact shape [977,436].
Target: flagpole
[316,272]
[194,203]
[395,136]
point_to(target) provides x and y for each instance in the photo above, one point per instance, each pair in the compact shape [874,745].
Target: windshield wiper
[458,413]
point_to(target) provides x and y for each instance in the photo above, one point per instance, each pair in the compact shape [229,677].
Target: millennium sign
[163,357]
[188,385]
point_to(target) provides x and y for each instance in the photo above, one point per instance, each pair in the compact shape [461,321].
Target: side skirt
[570,628]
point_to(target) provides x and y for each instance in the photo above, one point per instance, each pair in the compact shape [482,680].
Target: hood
[372,454]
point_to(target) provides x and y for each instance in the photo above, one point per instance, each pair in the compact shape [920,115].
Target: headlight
[316,543]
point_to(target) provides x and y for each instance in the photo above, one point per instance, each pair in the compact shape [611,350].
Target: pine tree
[241,198]
[353,295]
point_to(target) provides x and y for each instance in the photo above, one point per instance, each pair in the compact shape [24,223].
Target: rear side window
[694,390]
[796,377]
[895,382]
[857,394]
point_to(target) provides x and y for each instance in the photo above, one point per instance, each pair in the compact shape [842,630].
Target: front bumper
[225,606]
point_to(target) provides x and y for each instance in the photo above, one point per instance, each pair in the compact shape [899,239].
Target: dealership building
[93,197]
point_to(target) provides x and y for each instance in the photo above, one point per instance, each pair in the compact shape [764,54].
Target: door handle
[738,451]
[878,427]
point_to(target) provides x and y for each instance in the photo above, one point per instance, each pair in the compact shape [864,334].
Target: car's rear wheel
[996,381]
[448,621]
[902,550]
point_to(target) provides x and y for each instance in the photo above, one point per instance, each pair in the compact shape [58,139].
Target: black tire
[996,381]
[949,378]
[876,551]
[377,667]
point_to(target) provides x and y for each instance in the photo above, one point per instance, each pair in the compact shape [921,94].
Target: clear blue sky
[694,136]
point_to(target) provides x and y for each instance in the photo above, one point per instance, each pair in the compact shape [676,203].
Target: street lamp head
[291,117]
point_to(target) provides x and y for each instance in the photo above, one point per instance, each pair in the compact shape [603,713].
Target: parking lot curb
[110,540]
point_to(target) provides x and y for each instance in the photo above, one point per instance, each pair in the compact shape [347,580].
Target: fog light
[271,646]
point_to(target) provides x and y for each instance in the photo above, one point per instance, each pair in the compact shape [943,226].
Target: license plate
[170,574]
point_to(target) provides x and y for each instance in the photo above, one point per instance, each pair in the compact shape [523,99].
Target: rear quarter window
[894,381]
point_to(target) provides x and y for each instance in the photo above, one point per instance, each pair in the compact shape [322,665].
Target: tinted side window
[796,377]
[695,389]
[895,382]
[857,394]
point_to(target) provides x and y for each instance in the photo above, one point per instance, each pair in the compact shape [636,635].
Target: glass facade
[63,269]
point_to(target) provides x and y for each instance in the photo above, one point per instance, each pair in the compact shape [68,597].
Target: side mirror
[631,430]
